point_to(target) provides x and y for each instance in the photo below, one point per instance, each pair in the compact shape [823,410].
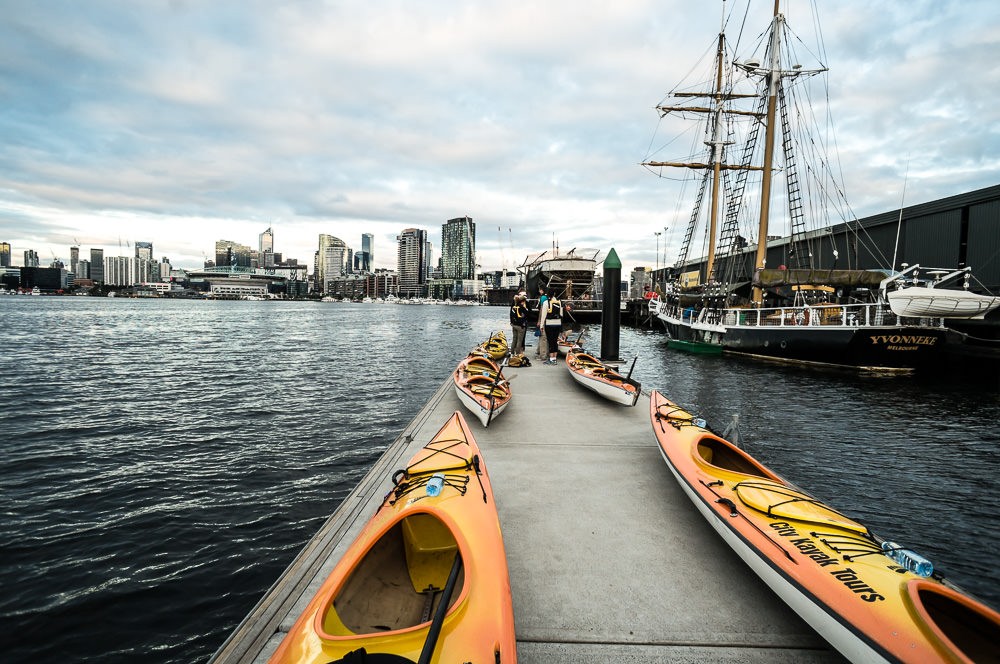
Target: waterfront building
[49,279]
[119,271]
[458,249]
[382,283]
[82,270]
[228,253]
[4,254]
[30,258]
[97,266]
[331,260]
[165,269]
[10,278]
[412,262]
[74,260]
[144,251]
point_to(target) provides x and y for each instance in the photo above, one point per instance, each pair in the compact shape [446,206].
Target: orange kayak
[481,387]
[428,566]
[873,600]
[593,374]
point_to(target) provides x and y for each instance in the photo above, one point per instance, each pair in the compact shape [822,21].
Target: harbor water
[164,460]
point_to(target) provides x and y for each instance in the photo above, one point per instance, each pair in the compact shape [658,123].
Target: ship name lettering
[902,340]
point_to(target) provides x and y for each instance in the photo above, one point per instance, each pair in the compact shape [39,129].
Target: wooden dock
[609,560]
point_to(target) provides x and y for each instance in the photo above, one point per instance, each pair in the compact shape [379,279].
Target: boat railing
[824,315]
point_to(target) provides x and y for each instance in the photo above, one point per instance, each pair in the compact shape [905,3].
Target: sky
[184,122]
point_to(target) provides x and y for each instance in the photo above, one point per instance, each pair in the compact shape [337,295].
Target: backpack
[519,360]
[555,309]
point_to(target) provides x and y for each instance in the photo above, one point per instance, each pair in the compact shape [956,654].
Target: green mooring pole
[611,311]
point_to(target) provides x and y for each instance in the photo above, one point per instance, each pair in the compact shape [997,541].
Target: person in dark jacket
[518,323]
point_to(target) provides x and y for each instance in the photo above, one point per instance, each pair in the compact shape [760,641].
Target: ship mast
[716,143]
[716,160]
[774,79]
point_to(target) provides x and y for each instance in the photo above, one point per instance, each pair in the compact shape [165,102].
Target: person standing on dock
[518,323]
[550,320]
[543,346]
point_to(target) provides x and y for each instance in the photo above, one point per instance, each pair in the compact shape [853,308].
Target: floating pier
[609,560]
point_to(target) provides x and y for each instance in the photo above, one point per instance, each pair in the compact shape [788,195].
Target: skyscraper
[30,258]
[411,262]
[4,254]
[144,250]
[331,260]
[458,249]
[266,248]
[97,265]
[74,260]
[366,259]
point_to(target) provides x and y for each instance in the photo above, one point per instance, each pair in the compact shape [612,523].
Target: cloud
[187,122]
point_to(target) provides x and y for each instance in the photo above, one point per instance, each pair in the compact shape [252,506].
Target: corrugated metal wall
[932,240]
[983,252]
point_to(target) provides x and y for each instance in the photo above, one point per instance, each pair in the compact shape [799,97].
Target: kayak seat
[722,455]
[430,550]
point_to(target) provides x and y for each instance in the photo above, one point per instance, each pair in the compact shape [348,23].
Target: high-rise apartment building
[412,261]
[97,266]
[30,258]
[119,270]
[458,249]
[331,260]
[144,251]
[4,254]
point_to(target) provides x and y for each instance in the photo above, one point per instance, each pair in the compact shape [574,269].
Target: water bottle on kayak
[435,484]
[909,559]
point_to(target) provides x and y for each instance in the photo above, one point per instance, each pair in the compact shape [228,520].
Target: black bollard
[611,308]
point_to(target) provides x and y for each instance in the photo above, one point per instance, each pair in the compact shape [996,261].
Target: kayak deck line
[606,556]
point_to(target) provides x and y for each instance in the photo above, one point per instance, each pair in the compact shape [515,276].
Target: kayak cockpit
[397,585]
[970,628]
[724,455]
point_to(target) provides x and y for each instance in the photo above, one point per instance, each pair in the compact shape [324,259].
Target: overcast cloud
[186,122]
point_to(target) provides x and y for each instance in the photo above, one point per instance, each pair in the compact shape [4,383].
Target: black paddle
[435,630]
[632,368]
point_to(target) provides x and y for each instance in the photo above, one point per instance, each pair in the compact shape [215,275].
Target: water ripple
[165,460]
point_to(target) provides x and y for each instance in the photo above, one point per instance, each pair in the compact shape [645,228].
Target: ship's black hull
[895,347]
[888,347]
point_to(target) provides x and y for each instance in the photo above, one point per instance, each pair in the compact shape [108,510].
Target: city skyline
[205,123]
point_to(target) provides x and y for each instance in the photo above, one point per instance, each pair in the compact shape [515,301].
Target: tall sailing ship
[757,131]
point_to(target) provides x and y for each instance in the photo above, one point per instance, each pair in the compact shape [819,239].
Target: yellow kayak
[426,579]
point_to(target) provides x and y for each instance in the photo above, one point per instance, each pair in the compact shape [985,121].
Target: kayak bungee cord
[404,482]
[455,481]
